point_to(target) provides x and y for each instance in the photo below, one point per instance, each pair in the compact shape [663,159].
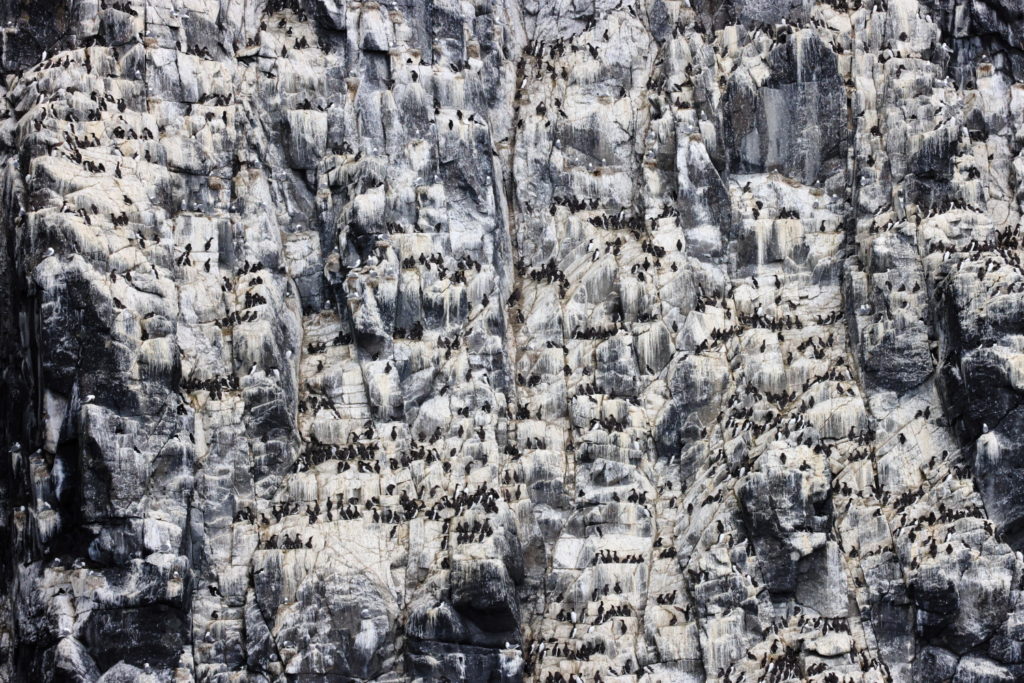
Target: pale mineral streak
[512,340]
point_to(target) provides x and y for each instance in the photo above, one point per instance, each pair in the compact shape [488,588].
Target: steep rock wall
[512,341]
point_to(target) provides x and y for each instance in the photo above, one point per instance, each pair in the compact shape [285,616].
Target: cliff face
[512,340]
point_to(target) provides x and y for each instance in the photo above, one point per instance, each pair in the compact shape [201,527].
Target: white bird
[984,428]
[89,398]
[49,252]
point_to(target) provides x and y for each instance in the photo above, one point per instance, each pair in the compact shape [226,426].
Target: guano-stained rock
[505,340]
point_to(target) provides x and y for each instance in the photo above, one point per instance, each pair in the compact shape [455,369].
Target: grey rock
[979,670]
[935,664]
[511,341]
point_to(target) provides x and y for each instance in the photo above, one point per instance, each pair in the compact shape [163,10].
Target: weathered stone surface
[512,341]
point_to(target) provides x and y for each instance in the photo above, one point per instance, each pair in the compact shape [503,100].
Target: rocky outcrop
[512,341]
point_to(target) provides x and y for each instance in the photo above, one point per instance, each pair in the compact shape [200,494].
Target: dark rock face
[511,341]
[787,112]
[754,12]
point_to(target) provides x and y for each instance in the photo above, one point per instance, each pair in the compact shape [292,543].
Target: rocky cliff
[511,340]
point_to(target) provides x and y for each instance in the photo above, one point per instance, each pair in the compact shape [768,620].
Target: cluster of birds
[474,532]
[236,318]
[312,403]
[605,556]
[315,453]
[414,333]
[788,418]
[288,542]
[215,386]
[367,454]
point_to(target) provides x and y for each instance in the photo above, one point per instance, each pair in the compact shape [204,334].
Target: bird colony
[509,340]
